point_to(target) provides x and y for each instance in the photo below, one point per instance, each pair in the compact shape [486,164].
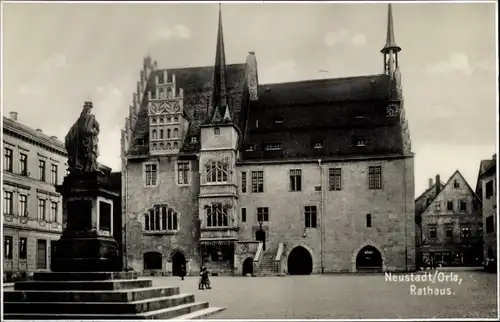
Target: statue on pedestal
[81,142]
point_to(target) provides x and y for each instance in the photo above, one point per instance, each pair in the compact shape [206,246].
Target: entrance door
[248,266]
[300,261]
[369,258]
[41,254]
[178,260]
[260,235]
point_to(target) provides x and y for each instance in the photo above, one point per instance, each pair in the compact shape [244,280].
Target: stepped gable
[331,114]
[196,83]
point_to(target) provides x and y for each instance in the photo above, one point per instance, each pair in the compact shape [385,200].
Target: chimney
[13,116]
[438,184]
[430,183]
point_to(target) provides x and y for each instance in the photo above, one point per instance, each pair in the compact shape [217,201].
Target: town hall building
[303,177]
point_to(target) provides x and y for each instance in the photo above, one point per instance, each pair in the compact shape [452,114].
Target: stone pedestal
[87,243]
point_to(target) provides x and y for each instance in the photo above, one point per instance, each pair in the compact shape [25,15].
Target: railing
[279,258]
[258,257]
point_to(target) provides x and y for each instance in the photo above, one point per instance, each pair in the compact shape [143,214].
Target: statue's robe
[81,143]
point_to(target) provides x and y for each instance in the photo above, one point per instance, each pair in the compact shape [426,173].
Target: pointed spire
[390,43]
[227,116]
[219,79]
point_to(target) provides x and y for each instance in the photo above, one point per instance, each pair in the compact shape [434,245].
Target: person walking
[183,272]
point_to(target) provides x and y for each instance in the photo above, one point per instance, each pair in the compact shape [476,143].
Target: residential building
[451,224]
[302,177]
[33,164]
[486,189]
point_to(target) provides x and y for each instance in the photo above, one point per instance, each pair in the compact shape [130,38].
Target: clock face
[392,110]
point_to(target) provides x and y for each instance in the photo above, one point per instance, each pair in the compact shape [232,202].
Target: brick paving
[343,296]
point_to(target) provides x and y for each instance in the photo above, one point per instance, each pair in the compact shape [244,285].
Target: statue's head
[87,107]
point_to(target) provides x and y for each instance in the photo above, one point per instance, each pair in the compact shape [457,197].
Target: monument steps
[200,314]
[82,285]
[141,306]
[134,294]
[162,314]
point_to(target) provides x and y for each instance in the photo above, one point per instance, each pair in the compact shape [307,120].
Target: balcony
[219,233]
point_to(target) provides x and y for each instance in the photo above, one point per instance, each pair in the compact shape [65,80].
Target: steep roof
[485,167]
[333,113]
[421,204]
[197,85]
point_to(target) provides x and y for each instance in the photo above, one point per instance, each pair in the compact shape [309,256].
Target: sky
[56,56]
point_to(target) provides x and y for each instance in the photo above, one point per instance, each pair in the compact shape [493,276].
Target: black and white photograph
[249,160]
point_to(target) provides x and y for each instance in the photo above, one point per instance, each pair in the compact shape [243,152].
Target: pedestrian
[201,282]
[206,279]
[183,272]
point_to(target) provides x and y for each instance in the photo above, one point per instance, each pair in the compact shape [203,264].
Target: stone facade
[452,225]
[29,231]
[487,182]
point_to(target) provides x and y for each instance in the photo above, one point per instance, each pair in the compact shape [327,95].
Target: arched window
[168,134]
[217,171]
[154,146]
[161,134]
[162,146]
[176,145]
[176,133]
[161,218]
[169,146]
[217,215]
[154,119]
[154,134]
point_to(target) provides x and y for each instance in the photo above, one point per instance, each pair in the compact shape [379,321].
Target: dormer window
[272,147]
[250,148]
[361,142]
[216,131]
[194,139]
[318,145]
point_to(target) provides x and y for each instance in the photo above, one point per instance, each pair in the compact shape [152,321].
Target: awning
[217,241]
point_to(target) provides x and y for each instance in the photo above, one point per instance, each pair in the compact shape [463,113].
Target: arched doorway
[248,266]
[369,259]
[260,235]
[300,261]
[178,260]
[152,260]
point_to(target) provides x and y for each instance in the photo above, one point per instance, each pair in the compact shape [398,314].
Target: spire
[219,80]
[390,44]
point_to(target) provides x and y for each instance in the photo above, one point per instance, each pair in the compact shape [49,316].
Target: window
[257,181]
[23,164]
[360,142]
[490,225]
[41,209]
[465,232]
[41,170]
[243,214]
[262,214]
[161,218]
[480,230]
[53,211]
[335,179]
[489,189]
[23,205]
[153,120]
[217,215]
[217,171]
[432,232]
[162,133]
[8,203]
[183,172]
[449,205]
[437,205]
[368,220]
[243,182]
[161,93]
[169,93]
[296,180]
[311,216]
[7,247]
[463,205]
[154,134]
[176,119]
[448,232]
[456,184]
[176,133]
[193,139]
[216,131]
[7,159]
[169,133]
[153,94]
[23,252]
[375,177]
[176,145]
[151,174]
[53,174]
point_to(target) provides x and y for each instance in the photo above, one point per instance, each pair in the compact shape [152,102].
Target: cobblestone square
[343,296]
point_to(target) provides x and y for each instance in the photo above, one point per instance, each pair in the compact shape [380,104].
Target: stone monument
[86,282]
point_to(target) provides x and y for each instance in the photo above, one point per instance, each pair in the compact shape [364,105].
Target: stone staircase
[268,265]
[99,296]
